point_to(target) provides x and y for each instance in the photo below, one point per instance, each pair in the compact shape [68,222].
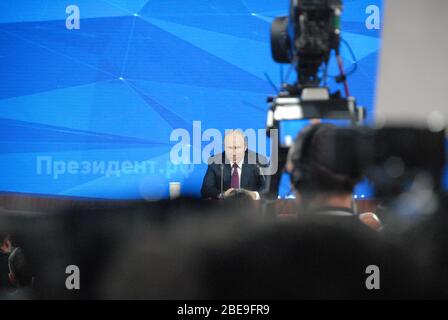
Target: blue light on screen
[114,90]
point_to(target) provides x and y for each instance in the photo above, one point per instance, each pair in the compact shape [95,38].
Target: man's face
[234,147]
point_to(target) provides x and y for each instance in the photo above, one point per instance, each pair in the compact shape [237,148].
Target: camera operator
[320,187]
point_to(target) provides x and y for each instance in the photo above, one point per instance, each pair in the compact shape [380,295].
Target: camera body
[306,39]
[395,159]
[307,35]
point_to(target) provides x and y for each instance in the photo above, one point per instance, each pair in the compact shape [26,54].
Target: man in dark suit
[236,168]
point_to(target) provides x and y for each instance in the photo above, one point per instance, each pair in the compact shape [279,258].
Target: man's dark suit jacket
[251,177]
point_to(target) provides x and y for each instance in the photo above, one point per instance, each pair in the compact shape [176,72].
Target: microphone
[221,195]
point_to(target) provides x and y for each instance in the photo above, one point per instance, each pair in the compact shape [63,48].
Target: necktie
[235,182]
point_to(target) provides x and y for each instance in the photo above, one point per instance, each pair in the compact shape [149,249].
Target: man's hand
[371,220]
[227,193]
[6,246]
[254,195]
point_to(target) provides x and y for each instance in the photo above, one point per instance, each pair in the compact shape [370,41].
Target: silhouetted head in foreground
[227,258]
[317,175]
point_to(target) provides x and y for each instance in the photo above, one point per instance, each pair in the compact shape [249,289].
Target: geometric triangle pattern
[114,90]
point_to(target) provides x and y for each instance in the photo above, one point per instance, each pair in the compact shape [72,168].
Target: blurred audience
[229,257]
[193,249]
